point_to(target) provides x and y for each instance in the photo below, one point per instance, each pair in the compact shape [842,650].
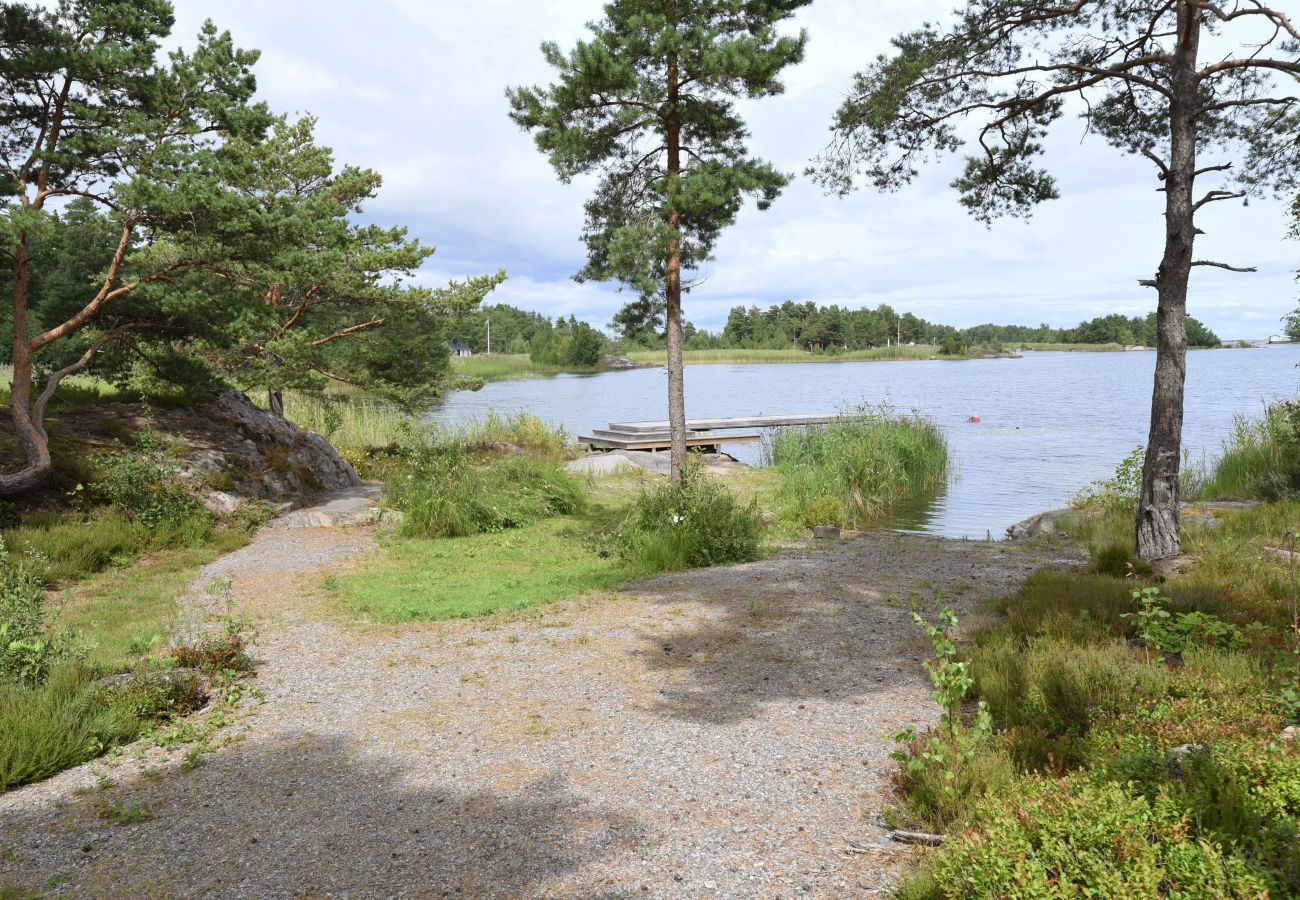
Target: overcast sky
[415,90]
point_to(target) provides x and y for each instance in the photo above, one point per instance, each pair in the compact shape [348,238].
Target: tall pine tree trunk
[673,285]
[1158,520]
[31,436]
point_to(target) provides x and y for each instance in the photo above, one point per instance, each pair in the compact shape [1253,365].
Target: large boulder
[236,448]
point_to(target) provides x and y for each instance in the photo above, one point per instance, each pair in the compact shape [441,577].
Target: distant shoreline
[516,367]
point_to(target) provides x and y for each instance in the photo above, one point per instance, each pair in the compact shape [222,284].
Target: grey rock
[222,502]
[258,453]
[828,532]
[1176,757]
[601,464]
[1045,524]
[622,362]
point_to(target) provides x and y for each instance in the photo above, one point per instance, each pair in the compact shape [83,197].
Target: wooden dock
[700,433]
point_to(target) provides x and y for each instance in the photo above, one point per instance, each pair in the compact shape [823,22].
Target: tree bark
[1158,520]
[31,436]
[275,401]
[673,283]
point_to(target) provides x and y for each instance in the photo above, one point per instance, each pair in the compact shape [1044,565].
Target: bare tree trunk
[31,436]
[1158,521]
[673,287]
[275,401]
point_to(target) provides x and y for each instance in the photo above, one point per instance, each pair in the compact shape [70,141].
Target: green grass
[77,545]
[704,357]
[353,424]
[117,612]
[855,470]
[454,578]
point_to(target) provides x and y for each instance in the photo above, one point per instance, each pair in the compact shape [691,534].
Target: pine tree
[1166,79]
[648,104]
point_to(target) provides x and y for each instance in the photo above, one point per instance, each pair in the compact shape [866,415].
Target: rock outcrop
[241,451]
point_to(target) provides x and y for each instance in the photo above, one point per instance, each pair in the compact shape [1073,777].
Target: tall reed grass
[857,469]
[507,367]
[1261,458]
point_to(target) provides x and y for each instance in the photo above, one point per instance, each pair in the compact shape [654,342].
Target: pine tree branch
[1219,265]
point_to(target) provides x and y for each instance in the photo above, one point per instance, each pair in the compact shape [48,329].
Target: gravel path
[714,733]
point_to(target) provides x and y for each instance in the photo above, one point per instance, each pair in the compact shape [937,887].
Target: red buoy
[975,419]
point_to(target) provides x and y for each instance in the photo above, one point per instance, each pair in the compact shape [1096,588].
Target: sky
[415,89]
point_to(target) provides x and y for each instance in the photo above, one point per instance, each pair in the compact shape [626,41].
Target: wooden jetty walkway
[700,433]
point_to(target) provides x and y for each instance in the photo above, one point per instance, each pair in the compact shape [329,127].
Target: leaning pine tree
[1167,79]
[648,103]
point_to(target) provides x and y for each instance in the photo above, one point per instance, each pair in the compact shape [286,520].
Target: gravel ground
[717,733]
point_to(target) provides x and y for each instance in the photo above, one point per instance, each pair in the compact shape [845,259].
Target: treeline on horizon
[806,326]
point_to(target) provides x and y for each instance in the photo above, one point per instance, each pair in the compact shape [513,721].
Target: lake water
[1051,423]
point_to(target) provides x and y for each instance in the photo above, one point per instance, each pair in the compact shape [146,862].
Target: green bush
[27,650]
[145,485]
[443,492]
[693,524]
[856,469]
[1119,492]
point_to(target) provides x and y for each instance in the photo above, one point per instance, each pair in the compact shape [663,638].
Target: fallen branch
[916,837]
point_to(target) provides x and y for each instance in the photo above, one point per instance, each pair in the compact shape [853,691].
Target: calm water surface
[1051,422]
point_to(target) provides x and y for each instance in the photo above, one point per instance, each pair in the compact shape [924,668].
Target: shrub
[1118,493]
[692,524]
[1063,838]
[857,468]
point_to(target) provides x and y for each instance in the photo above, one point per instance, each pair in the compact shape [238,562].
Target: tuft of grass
[454,578]
[855,470]
[445,493]
[693,524]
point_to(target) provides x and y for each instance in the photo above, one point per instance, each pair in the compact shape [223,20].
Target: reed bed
[856,470]
[705,357]
[1073,348]
[507,367]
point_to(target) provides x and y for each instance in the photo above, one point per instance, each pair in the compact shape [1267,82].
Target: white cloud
[415,89]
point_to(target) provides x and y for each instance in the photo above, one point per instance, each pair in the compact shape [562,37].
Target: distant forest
[780,327]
